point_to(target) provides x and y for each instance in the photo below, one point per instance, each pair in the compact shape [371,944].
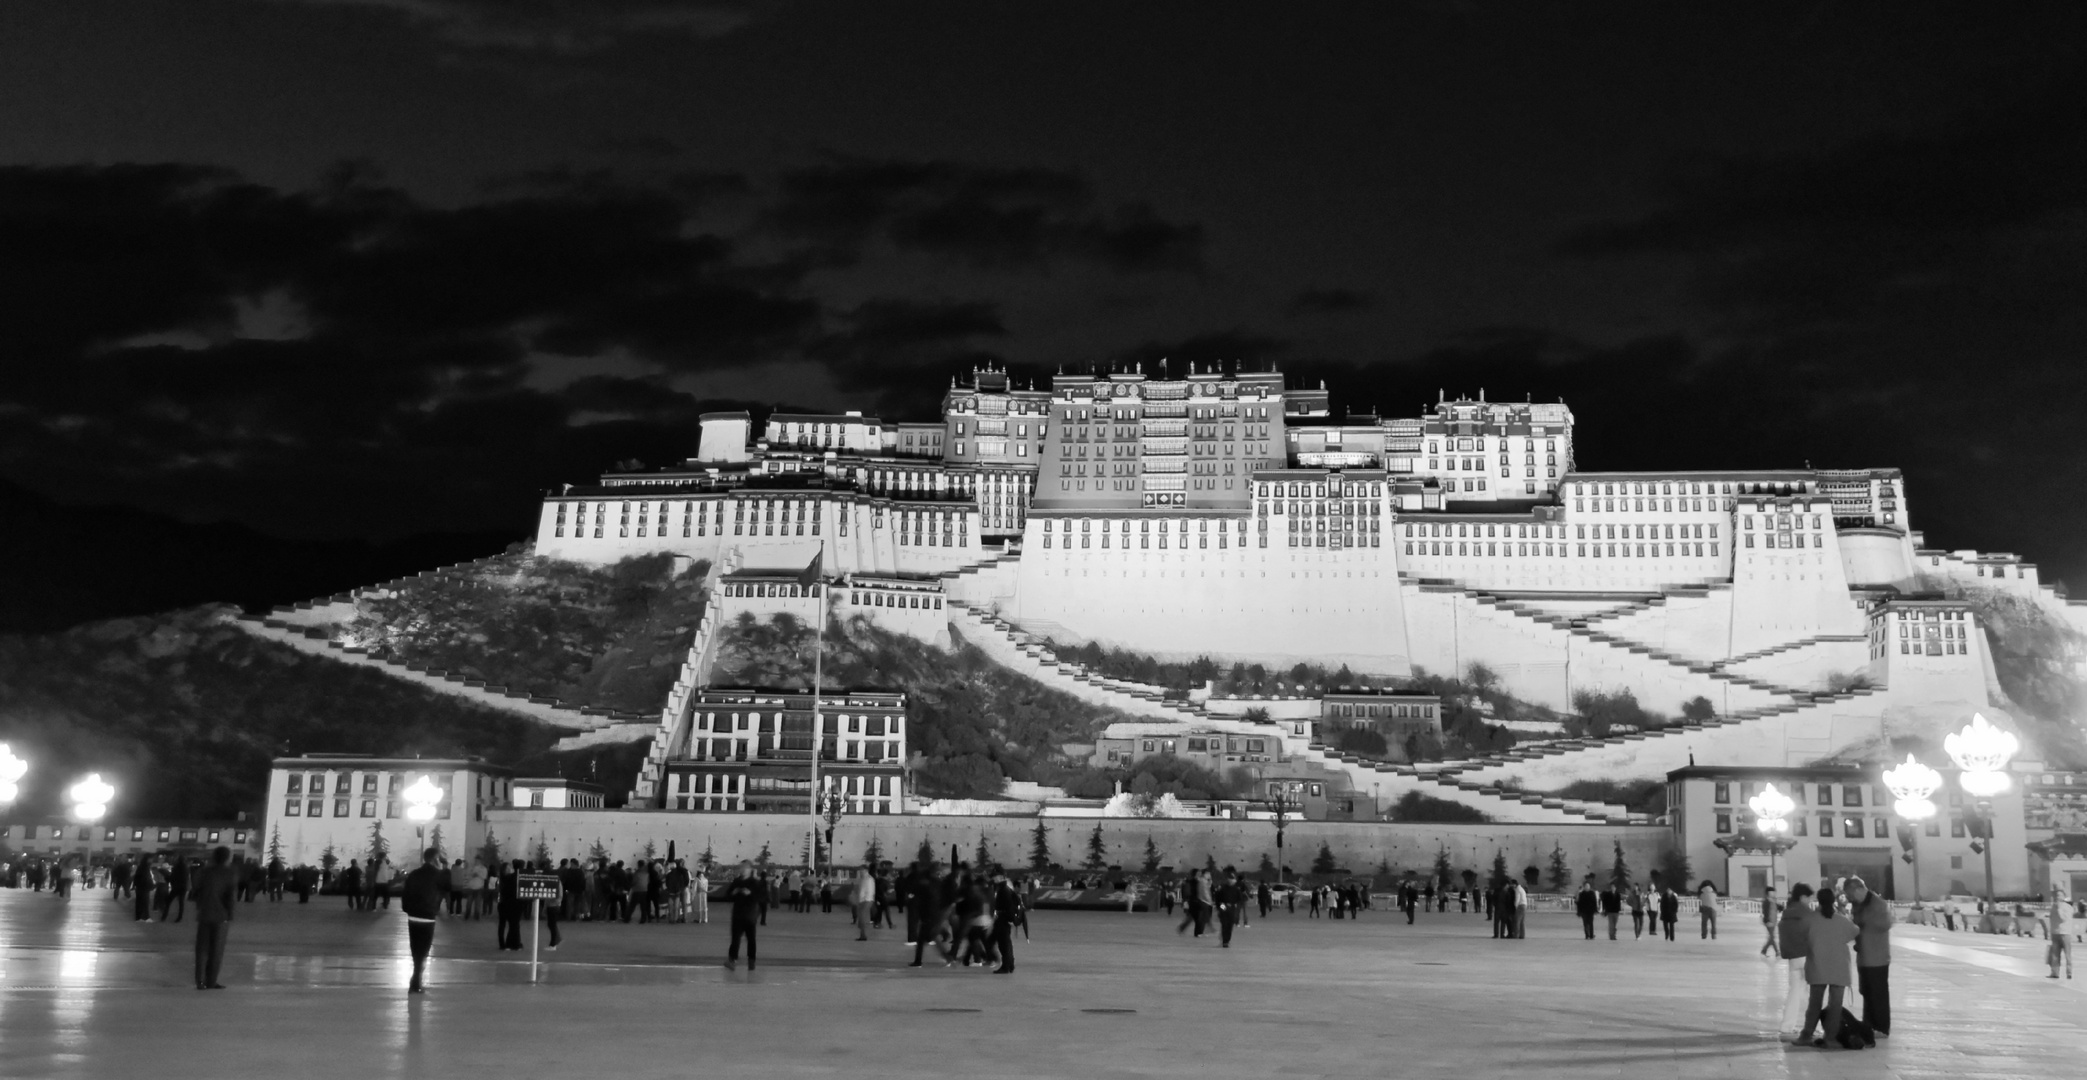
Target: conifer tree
[435,842]
[1442,867]
[599,853]
[1499,878]
[1561,874]
[489,853]
[1040,847]
[1619,873]
[707,860]
[982,859]
[328,859]
[1267,868]
[765,857]
[926,855]
[1152,857]
[1323,863]
[873,856]
[541,853]
[379,847]
[275,847]
[1097,850]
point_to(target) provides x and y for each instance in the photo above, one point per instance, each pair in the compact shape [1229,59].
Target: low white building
[557,793]
[343,803]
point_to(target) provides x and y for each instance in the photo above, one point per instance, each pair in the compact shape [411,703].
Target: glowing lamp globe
[1770,807]
[12,769]
[91,798]
[1911,784]
[421,797]
[1982,751]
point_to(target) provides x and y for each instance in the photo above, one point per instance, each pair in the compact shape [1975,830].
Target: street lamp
[1771,809]
[831,810]
[91,798]
[1982,752]
[421,798]
[1911,784]
[12,769]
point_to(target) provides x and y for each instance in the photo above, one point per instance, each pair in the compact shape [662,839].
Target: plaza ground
[318,991]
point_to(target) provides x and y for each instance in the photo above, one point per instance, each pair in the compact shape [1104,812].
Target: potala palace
[1230,515]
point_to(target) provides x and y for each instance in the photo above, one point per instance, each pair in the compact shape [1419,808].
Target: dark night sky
[353,269]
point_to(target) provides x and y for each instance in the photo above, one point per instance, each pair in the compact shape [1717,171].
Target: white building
[556,793]
[342,802]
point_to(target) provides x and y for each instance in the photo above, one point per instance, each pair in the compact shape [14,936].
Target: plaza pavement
[317,991]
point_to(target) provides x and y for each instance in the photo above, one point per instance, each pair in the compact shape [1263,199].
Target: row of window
[137,834]
[1479,444]
[344,783]
[317,808]
[1681,487]
[1584,551]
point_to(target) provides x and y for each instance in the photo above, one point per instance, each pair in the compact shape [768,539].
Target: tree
[1499,877]
[925,854]
[275,847]
[982,859]
[708,859]
[1561,874]
[1151,856]
[598,854]
[328,859]
[1097,850]
[1323,862]
[873,856]
[379,847]
[1419,806]
[649,852]
[490,854]
[1442,867]
[1481,679]
[1698,708]
[540,854]
[1040,847]
[1268,871]
[1674,869]
[765,857]
[1619,872]
[435,844]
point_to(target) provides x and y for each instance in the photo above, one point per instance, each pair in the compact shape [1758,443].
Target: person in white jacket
[861,897]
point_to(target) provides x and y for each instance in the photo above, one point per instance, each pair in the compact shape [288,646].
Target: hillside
[183,711]
[973,722]
[612,636]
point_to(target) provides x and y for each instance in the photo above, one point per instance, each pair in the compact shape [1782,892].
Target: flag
[810,576]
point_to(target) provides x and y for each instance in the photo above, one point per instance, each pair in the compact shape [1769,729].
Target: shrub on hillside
[1637,796]
[1363,741]
[1596,713]
[1420,807]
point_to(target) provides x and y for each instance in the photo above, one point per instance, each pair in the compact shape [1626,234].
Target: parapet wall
[1182,842]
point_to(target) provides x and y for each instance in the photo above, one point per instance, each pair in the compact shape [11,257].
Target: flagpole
[811,851]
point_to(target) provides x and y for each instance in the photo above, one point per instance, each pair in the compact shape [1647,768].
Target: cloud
[562,26]
[1329,302]
[987,216]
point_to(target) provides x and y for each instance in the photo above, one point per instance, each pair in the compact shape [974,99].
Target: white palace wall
[1221,598]
[770,529]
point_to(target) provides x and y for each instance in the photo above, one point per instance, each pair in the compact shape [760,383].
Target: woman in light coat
[861,897]
[1793,937]
[1829,968]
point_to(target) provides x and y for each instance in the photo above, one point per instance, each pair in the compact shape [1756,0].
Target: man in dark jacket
[217,893]
[1585,904]
[1230,897]
[923,905]
[1009,911]
[749,896]
[509,927]
[421,899]
[1612,907]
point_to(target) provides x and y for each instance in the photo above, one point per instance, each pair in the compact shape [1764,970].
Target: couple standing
[1815,943]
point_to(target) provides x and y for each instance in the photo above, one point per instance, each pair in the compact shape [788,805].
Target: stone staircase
[1584,628]
[1788,646]
[1008,645]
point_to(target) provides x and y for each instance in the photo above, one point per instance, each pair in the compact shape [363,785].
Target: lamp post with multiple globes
[1911,783]
[12,769]
[422,797]
[91,798]
[1982,751]
[1771,812]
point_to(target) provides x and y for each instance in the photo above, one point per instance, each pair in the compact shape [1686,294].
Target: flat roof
[557,781]
[373,762]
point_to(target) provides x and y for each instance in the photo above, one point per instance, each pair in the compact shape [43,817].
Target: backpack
[1854,1033]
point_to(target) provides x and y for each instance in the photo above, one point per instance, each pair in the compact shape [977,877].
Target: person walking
[177,890]
[1669,910]
[2063,924]
[923,905]
[1189,891]
[1009,911]
[699,887]
[459,885]
[420,899]
[1872,917]
[475,891]
[1612,907]
[373,881]
[1706,907]
[1229,898]
[217,896]
[749,897]
[1264,897]
[1827,970]
[1794,943]
[1587,904]
[861,898]
[1520,910]
[508,908]
[145,884]
[1771,912]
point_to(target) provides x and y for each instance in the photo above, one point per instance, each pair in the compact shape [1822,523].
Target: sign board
[537,887]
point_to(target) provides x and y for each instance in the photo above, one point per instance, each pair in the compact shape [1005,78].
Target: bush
[1637,796]
[1596,713]
[1363,741]
[1415,806]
